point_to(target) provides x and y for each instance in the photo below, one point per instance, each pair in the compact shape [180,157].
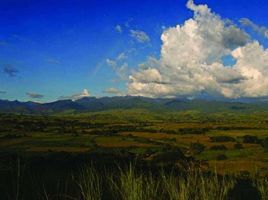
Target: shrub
[264,143]
[193,130]
[251,139]
[149,152]
[13,136]
[222,139]
[197,148]
[238,146]
[169,139]
[221,157]
[171,156]
[218,147]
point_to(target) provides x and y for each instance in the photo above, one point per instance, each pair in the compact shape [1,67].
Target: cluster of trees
[222,139]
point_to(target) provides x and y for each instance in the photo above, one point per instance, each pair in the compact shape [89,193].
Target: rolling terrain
[50,143]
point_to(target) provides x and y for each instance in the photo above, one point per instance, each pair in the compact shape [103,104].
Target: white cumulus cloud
[192,63]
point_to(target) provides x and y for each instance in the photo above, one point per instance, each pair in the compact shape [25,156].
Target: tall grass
[262,185]
[130,185]
[18,179]
[176,188]
[212,187]
[90,184]
[133,184]
[196,186]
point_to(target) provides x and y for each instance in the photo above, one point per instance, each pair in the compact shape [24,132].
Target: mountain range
[93,104]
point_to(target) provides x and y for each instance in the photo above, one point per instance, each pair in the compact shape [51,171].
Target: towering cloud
[193,61]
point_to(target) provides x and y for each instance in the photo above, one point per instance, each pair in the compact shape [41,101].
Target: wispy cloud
[128,22]
[3,43]
[139,36]
[121,70]
[76,96]
[10,70]
[52,61]
[121,56]
[34,95]
[118,28]
[262,30]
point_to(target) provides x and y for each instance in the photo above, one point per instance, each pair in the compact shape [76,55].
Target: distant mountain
[16,106]
[91,104]
[59,106]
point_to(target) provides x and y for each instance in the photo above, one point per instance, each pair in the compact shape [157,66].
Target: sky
[68,49]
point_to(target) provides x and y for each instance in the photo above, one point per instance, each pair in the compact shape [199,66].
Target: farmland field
[233,145]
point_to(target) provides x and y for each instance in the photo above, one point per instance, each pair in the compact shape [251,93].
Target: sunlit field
[123,155]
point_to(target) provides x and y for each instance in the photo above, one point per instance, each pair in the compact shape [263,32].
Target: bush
[13,136]
[169,139]
[218,147]
[197,148]
[264,143]
[221,157]
[222,139]
[238,146]
[251,139]
[196,131]
[171,156]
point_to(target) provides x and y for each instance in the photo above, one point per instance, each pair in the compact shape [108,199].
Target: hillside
[93,104]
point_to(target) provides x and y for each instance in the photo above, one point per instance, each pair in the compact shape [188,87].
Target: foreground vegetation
[195,185]
[131,183]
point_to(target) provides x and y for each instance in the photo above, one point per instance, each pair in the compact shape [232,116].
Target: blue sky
[52,49]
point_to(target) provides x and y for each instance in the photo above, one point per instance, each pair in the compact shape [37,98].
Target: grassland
[235,144]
